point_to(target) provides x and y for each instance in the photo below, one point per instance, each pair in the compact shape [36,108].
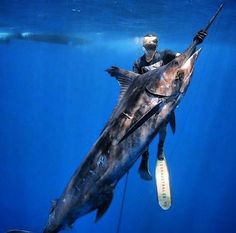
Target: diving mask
[150,42]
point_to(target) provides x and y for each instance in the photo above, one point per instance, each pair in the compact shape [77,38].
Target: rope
[122,203]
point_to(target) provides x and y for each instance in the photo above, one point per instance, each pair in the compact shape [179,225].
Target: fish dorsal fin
[115,71]
[105,205]
[124,77]
[54,203]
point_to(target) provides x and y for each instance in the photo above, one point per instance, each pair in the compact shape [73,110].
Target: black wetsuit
[163,58]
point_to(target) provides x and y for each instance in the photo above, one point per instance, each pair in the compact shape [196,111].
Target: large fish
[146,102]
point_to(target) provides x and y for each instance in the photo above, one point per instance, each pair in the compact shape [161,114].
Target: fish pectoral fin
[105,205]
[156,109]
[144,167]
[172,121]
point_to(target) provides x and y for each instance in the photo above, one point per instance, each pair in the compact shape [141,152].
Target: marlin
[146,102]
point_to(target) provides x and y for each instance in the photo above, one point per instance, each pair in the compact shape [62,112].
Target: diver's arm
[136,67]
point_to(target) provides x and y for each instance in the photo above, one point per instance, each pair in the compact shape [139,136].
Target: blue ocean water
[55,100]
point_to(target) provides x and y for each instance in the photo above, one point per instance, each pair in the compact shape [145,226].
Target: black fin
[143,119]
[117,72]
[172,121]
[54,203]
[124,77]
[144,168]
[103,208]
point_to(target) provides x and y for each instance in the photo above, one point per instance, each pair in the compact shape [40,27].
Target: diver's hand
[200,36]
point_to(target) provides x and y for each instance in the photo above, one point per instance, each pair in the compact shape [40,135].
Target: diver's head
[150,44]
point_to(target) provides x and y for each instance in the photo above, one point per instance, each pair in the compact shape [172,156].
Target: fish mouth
[189,61]
[193,57]
[196,54]
[188,67]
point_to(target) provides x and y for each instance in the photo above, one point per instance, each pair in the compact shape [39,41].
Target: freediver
[150,60]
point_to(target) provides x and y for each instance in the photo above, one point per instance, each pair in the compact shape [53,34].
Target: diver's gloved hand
[200,36]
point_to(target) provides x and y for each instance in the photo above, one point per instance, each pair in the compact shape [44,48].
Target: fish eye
[175,62]
[180,75]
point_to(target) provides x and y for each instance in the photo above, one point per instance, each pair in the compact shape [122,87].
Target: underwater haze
[56,99]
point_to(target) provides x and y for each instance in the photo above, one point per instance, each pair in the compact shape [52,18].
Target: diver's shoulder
[137,61]
[166,51]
